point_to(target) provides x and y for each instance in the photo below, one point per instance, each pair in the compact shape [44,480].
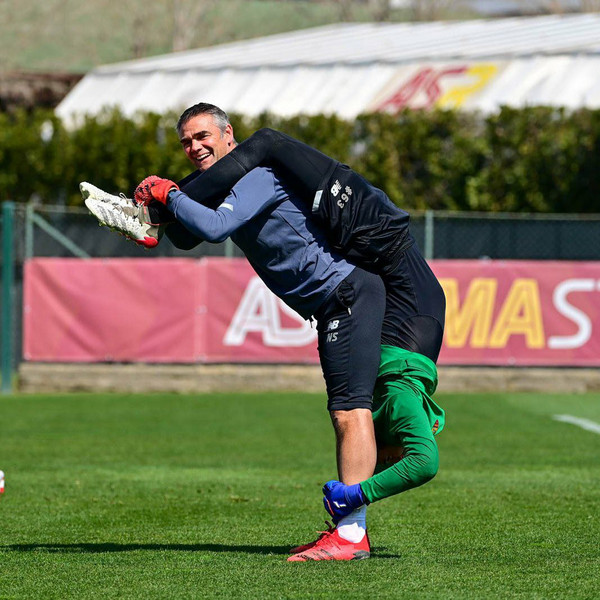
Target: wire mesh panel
[41,231]
[509,236]
[455,235]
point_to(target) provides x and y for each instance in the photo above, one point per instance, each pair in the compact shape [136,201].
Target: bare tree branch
[187,15]
[345,9]
[429,10]
[380,9]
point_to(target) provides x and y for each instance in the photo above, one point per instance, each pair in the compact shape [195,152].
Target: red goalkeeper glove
[154,188]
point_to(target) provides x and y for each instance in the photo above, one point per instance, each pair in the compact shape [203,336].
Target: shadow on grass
[111,547]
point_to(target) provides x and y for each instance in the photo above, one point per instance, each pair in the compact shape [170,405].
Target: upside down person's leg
[306,167]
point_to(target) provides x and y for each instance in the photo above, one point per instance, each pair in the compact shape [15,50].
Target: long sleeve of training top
[258,192]
[272,226]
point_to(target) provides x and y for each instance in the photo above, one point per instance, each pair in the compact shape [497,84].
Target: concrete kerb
[145,378]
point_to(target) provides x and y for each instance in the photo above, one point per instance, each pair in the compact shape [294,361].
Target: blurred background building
[349,69]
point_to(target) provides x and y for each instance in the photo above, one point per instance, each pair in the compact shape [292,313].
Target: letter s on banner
[582,320]
[259,311]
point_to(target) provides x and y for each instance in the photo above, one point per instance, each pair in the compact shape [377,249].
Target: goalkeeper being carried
[362,225]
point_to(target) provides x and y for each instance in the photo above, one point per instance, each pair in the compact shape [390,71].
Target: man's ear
[228,134]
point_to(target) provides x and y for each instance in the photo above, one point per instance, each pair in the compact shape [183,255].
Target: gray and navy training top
[272,226]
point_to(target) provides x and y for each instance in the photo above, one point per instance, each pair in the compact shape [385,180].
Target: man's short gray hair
[203,108]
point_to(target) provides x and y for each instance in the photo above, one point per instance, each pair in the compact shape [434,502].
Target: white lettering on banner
[582,320]
[259,311]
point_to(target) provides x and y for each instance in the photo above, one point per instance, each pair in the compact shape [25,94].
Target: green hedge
[535,159]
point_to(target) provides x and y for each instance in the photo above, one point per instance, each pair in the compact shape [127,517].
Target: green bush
[528,160]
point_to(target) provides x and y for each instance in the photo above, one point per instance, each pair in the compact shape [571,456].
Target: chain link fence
[69,231]
[509,236]
[60,231]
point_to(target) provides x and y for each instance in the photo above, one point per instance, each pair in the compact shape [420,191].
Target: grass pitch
[166,496]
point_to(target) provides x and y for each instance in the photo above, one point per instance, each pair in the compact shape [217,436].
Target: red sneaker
[322,534]
[331,546]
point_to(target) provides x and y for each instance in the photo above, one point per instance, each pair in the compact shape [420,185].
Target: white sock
[354,526]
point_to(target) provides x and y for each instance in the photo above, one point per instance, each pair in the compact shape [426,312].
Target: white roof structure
[351,68]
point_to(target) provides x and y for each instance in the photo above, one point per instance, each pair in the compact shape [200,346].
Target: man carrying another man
[305,204]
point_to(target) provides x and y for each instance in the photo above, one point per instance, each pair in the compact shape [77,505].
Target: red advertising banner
[218,310]
[117,310]
[521,312]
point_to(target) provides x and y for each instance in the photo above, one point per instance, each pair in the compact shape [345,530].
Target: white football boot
[121,214]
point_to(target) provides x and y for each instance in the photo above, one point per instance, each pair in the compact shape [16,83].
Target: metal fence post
[229,252]
[8,276]
[429,235]
[29,210]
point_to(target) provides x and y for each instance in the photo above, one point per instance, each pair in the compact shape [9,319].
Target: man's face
[204,143]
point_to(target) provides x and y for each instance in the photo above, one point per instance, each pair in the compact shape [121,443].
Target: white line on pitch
[583,423]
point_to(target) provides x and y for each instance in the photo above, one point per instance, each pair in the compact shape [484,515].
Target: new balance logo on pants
[331,326]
